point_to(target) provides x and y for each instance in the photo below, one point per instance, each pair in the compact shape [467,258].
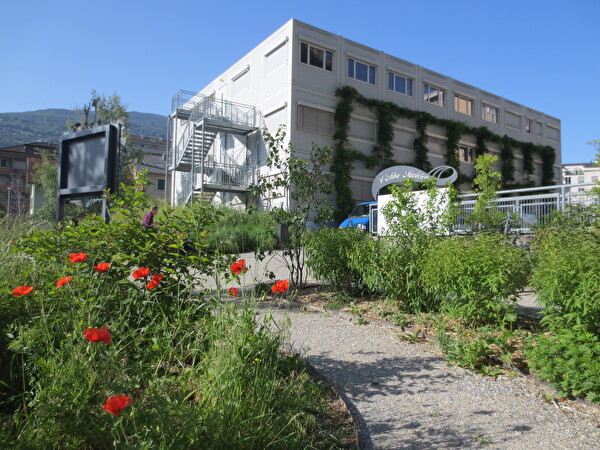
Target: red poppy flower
[234,292]
[98,335]
[63,281]
[77,257]
[22,290]
[280,286]
[142,272]
[239,266]
[115,404]
[102,267]
[155,280]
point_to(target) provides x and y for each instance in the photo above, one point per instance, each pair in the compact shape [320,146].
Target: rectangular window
[567,180]
[3,162]
[528,125]
[315,56]
[466,154]
[595,178]
[580,179]
[361,71]
[400,84]
[316,120]
[489,113]
[433,95]
[160,184]
[463,105]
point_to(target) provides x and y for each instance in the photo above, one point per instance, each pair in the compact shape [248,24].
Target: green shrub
[477,278]
[238,231]
[570,360]
[393,265]
[465,351]
[328,253]
[566,275]
[485,349]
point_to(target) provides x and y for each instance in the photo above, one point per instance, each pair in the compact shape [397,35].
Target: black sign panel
[87,163]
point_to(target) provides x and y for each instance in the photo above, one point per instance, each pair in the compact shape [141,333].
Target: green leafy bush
[393,265]
[477,278]
[566,275]
[570,360]
[475,354]
[329,253]
[485,349]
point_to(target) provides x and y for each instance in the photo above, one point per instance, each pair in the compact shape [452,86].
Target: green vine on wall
[420,143]
[527,150]
[387,113]
[341,165]
[507,161]
[548,155]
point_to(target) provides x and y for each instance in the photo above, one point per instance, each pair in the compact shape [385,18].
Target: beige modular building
[291,79]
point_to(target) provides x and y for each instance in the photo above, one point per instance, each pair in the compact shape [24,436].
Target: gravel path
[405,396]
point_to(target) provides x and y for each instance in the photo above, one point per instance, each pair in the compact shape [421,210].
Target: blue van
[363,217]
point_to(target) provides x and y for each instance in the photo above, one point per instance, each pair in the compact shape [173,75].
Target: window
[595,178]
[528,125]
[3,162]
[466,154]
[580,179]
[160,184]
[316,120]
[463,105]
[567,180]
[433,95]
[315,56]
[489,113]
[361,71]
[400,84]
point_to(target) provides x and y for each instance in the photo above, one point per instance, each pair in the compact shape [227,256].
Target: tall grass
[238,231]
[11,264]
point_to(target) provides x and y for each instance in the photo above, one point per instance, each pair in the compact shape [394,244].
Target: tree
[596,144]
[45,176]
[299,187]
[486,215]
[109,110]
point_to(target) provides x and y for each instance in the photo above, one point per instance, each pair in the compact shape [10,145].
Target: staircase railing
[200,107]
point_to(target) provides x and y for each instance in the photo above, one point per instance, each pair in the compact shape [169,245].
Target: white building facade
[578,174]
[291,79]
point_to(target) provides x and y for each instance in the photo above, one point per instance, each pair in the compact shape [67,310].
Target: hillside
[48,125]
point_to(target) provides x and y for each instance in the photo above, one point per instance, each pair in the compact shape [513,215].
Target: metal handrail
[183,98]
[529,209]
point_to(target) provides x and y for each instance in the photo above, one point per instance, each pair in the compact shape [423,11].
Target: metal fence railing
[531,209]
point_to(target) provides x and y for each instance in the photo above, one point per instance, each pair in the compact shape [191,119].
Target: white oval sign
[397,174]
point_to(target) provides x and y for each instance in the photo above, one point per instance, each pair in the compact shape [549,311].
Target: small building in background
[580,173]
[154,162]
[17,165]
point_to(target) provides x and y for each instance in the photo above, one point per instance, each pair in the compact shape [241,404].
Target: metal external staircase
[200,119]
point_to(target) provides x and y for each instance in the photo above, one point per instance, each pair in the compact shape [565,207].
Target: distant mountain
[48,125]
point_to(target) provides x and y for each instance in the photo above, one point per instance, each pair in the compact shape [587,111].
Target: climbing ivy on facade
[387,113]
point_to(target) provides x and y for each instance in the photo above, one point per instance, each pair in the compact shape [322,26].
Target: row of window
[323,59]
[594,179]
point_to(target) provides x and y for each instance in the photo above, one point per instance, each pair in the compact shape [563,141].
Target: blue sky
[540,53]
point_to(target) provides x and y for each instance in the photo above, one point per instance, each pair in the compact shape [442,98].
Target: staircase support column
[202,162]
[192,173]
